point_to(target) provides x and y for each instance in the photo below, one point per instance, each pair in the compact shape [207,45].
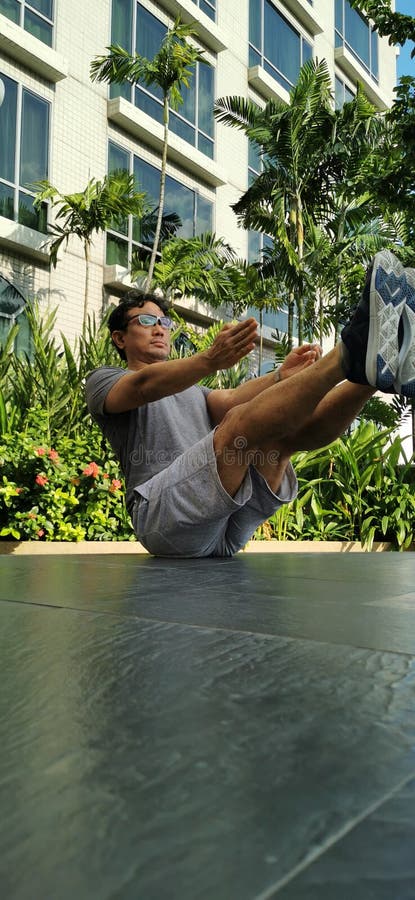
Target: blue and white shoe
[389,293]
[405,378]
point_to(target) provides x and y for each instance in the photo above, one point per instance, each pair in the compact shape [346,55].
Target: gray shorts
[185,511]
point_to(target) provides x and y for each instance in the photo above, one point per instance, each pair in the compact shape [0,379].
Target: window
[195,212]
[193,121]
[24,144]
[275,44]
[257,242]
[35,16]
[208,7]
[259,245]
[343,94]
[13,311]
[354,32]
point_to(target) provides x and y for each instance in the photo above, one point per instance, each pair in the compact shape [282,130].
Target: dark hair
[117,321]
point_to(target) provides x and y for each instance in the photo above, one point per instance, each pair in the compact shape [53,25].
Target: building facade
[56,124]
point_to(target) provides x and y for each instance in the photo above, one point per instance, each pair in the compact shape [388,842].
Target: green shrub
[357,489]
[58,481]
[69,492]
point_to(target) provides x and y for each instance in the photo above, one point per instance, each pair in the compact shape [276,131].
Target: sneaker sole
[387,302]
[405,379]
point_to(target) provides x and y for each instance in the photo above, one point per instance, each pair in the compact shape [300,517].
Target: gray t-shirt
[147,439]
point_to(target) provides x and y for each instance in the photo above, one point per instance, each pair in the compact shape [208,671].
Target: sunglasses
[149,321]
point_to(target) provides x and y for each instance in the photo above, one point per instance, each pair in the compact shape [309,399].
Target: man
[204,468]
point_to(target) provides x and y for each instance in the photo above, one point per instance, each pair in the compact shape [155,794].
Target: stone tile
[359,599]
[152,760]
[375,860]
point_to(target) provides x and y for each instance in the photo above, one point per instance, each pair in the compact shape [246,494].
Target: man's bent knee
[230,441]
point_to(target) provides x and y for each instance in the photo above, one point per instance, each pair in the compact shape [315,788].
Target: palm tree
[348,224]
[92,210]
[293,140]
[204,267]
[312,195]
[170,70]
[352,221]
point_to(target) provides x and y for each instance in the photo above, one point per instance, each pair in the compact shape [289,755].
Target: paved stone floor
[207,729]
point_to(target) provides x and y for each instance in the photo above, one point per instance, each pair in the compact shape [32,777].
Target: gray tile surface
[375,861]
[367,600]
[207,730]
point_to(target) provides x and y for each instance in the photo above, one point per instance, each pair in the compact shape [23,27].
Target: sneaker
[373,336]
[388,293]
[405,378]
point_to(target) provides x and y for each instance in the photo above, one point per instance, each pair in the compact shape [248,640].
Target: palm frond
[238,112]
[118,66]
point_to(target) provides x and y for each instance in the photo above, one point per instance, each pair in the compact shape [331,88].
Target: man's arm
[156,380]
[221,401]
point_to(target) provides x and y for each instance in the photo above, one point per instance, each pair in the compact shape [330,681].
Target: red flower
[53,455]
[40,451]
[115,485]
[105,475]
[41,532]
[91,469]
[19,490]
[41,480]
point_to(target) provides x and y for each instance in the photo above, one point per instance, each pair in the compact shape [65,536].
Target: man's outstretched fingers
[246,334]
[234,341]
[240,328]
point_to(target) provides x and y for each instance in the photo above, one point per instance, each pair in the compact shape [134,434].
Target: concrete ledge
[26,240]
[314,547]
[266,85]
[140,125]
[351,66]
[53,548]
[31,52]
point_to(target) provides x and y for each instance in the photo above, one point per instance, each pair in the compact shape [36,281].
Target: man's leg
[333,415]
[307,411]
[311,409]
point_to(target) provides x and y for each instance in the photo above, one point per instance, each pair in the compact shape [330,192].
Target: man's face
[144,343]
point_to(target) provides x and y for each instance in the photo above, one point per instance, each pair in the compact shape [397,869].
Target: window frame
[26,5]
[345,89]
[127,237]
[272,319]
[207,3]
[24,346]
[341,39]
[259,52]
[253,172]
[15,186]
[132,92]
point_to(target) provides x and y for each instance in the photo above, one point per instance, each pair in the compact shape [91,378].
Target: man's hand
[300,358]
[231,344]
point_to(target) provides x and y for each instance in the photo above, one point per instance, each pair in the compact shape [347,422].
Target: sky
[406,65]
